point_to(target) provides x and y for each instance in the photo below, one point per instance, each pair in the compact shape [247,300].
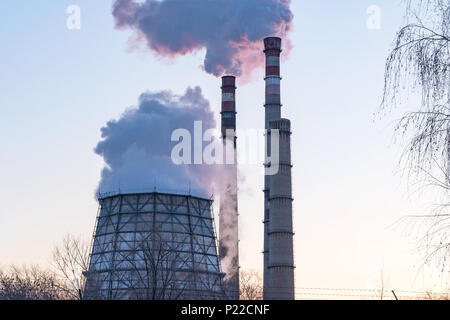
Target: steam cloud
[137,152]
[137,147]
[231,31]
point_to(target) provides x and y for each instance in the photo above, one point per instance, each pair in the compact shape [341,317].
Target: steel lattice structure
[154,246]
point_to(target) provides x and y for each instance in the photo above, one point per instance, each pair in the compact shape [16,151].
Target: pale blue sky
[59,87]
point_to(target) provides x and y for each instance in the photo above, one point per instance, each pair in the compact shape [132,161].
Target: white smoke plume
[231,31]
[137,147]
[229,228]
[137,150]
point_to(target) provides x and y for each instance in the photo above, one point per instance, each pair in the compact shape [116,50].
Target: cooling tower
[278,231]
[154,246]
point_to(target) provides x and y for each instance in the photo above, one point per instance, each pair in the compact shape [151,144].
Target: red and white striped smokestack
[272,49]
[228,215]
[228,104]
[272,106]
[278,234]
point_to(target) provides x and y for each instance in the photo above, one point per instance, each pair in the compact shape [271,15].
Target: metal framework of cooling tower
[154,246]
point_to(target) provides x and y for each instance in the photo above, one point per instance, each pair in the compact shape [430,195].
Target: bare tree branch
[419,62]
[30,283]
[71,260]
[251,286]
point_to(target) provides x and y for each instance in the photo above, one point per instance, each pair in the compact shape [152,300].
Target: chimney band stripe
[273,80]
[273,53]
[228,90]
[273,61]
[228,96]
[273,89]
[228,106]
[273,70]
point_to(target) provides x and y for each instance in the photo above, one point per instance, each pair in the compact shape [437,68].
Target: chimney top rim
[272,43]
[228,77]
[274,38]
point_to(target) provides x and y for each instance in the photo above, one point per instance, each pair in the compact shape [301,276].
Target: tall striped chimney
[278,231]
[228,215]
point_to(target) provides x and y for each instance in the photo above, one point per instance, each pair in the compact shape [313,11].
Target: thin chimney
[228,215]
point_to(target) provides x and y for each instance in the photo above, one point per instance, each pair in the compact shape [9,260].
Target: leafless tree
[420,59]
[30,283]
[157,268]
[383,285]
[71,261]
[250,285]
[419,63]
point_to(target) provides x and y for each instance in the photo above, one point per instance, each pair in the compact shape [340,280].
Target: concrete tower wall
[281,259]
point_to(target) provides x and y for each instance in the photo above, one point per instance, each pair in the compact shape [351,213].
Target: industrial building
[154,246]
[160,246]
